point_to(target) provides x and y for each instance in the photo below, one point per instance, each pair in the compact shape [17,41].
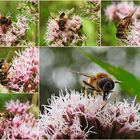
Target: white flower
[74,116]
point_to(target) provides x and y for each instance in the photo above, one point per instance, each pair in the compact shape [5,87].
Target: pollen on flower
[75,116]
[64,31]
[24,71]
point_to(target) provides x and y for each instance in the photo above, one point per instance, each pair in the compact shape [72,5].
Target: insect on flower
[123,26]
[4,23]
[4,68]
[6,115]
[99,83]
[62,21]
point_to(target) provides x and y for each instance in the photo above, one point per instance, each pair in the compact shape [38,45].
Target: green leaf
[130,83]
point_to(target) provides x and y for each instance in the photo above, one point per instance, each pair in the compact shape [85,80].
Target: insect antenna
[118,82]
[132,13]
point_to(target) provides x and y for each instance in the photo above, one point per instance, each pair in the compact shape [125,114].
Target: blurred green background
[56,64]
[47,7]
[8,53]
[108,28]
[11,8]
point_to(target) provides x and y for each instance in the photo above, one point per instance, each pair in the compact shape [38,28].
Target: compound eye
[106,84]
[102,82]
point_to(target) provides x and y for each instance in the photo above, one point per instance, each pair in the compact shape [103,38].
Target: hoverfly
[5,22]
[99,83]
[123,26]
[4,68]
[62,21]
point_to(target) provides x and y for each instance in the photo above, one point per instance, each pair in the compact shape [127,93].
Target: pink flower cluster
[17,107]
[70,36]
[133,38]
[75,116]
[12,35]
[121,10]
[21,126]
[24,71]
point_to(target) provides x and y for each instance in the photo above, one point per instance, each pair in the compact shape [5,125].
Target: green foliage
[8,53]
[89,31]
[130,83]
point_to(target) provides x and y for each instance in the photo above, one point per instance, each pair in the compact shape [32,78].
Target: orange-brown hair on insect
[4,68]
[101,83]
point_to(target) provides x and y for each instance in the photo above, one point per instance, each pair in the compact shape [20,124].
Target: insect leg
[87,88]
[105,96]
[86,83]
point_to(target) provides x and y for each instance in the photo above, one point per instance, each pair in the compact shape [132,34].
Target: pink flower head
[121,10]
[23,125]
[24,72]
[133,36]
[70,35]
[17,107]
[110,12]
[75,116]
[10,35]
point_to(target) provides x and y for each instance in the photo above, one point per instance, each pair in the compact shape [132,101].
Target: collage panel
[19,70]
[69,69]
[19,116]
[69,23]
[89,93]
[120,23]
[19,23]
